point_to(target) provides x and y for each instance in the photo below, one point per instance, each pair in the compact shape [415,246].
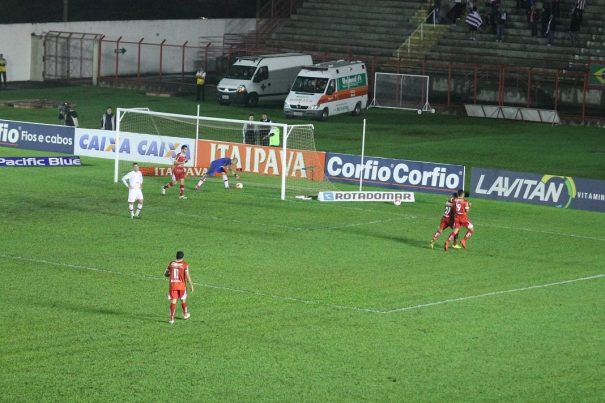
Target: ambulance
[260,78]
[327,89]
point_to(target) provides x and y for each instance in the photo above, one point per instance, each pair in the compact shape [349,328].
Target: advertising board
[548,190]
[37,136]
[390,173]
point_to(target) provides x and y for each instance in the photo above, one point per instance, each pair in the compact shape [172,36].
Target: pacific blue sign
[23,162]
[547,190]
[37,136]
[395,174]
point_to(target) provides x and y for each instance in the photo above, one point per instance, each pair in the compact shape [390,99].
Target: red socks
[181,190]
[172,309]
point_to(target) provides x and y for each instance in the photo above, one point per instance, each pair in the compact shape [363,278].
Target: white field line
[312,302]
[593,238]
[493,293]
[283,226]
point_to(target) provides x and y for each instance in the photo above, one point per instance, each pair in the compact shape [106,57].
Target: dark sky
[19,11]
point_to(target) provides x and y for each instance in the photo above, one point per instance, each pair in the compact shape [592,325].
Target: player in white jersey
[133,180]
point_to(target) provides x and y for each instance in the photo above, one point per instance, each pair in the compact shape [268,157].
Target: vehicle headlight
[286,105]
[241,89]
[313,107]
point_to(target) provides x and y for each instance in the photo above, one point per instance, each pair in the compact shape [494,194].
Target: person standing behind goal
[133,180]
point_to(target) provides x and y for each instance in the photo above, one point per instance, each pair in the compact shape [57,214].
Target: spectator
[550,30]
[250,131]
[493,14]
[545,19]
[108,120]
[68,115]
[473,20]
[200,84]
[263,130]
[580,6]
[556,8]
[3,69]
[532,19]
[501,17]
[574,26]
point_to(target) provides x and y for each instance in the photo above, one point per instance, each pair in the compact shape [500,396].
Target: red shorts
[462,222]
[179,174]
[446,222]
[177,294]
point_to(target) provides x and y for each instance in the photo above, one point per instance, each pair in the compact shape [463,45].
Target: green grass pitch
[299,300]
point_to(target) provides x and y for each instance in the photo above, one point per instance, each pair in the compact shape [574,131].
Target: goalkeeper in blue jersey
[220,166]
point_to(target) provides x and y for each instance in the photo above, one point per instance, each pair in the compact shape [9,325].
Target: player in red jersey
[178,172]
[178,274]
[461,208]
[447,220]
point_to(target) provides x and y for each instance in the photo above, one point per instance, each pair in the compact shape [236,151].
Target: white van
[327,89]
[263,77]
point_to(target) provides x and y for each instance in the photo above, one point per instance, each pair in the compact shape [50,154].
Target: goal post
[290,158]
[402,91]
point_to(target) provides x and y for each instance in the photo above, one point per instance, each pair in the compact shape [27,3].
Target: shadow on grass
[398,238]
[98,310]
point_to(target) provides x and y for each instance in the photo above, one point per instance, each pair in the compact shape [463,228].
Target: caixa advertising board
[133,146]
[37,136]
[430,177]
[548,190]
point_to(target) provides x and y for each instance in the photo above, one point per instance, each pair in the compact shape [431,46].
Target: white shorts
[134,195]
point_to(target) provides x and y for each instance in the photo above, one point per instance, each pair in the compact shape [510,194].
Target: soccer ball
[239,185]
[397,202]
[420,111]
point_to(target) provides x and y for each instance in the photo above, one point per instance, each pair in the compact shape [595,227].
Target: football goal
[283,155]
[402,91]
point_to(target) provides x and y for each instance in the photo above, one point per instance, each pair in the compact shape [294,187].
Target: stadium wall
[24,52]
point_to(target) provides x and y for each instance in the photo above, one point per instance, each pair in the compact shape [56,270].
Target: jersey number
[175,274]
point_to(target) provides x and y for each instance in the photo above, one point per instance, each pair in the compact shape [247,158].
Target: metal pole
[584,91]
[529,87]
[139,59]
[449,82]
[284,168]
[117,53]
[557,89]
[65,10]
[99,61]
[183,62]
[363,149]
[197,136]
[475,86]
[161,56]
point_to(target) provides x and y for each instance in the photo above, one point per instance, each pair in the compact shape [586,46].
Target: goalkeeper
[222,166]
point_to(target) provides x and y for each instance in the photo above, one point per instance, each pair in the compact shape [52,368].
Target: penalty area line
[493,293]
[306,301]
[212,286]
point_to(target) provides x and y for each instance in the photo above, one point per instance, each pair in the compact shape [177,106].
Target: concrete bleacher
[356,27]
[519,48]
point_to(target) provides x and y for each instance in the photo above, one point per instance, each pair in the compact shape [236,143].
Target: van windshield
[239,71]
[312,85]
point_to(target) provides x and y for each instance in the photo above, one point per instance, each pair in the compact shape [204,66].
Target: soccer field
[299,300]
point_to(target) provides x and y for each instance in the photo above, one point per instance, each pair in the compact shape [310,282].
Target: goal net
[270,155]
[402,91]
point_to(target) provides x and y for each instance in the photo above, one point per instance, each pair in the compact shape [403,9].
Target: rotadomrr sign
[428,177]
[548,190]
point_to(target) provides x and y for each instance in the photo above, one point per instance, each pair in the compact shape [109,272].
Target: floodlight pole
[363,149]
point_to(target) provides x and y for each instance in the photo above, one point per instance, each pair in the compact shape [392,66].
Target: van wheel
[357,110]
[324,114]
[253,99]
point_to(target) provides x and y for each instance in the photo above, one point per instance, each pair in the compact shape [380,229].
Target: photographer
[68,115]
